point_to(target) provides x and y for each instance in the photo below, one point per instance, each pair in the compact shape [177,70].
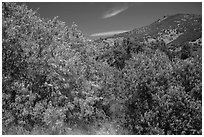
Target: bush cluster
[52,80]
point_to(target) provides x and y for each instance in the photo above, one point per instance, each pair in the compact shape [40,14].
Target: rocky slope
[175,29]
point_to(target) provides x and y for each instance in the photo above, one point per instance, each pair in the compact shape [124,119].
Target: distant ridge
[173,29]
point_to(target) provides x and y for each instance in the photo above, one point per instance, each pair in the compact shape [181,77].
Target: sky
[99,19]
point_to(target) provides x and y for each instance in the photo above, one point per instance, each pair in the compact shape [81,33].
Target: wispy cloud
[109,33]
[115,10]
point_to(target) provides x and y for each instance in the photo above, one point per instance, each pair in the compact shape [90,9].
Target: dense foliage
[55,81]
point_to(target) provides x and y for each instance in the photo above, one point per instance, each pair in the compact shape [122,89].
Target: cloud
[115,11]
[109,33]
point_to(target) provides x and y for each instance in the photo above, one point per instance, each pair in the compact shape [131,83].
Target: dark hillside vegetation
[55,81]
[189,26]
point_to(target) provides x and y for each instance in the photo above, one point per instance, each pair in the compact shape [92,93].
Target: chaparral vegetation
[56,81]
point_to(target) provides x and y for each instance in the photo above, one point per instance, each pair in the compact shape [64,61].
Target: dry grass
[106,128]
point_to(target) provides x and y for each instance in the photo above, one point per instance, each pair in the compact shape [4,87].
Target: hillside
[174,29]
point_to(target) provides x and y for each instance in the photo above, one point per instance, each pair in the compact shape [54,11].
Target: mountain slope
[174,29]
